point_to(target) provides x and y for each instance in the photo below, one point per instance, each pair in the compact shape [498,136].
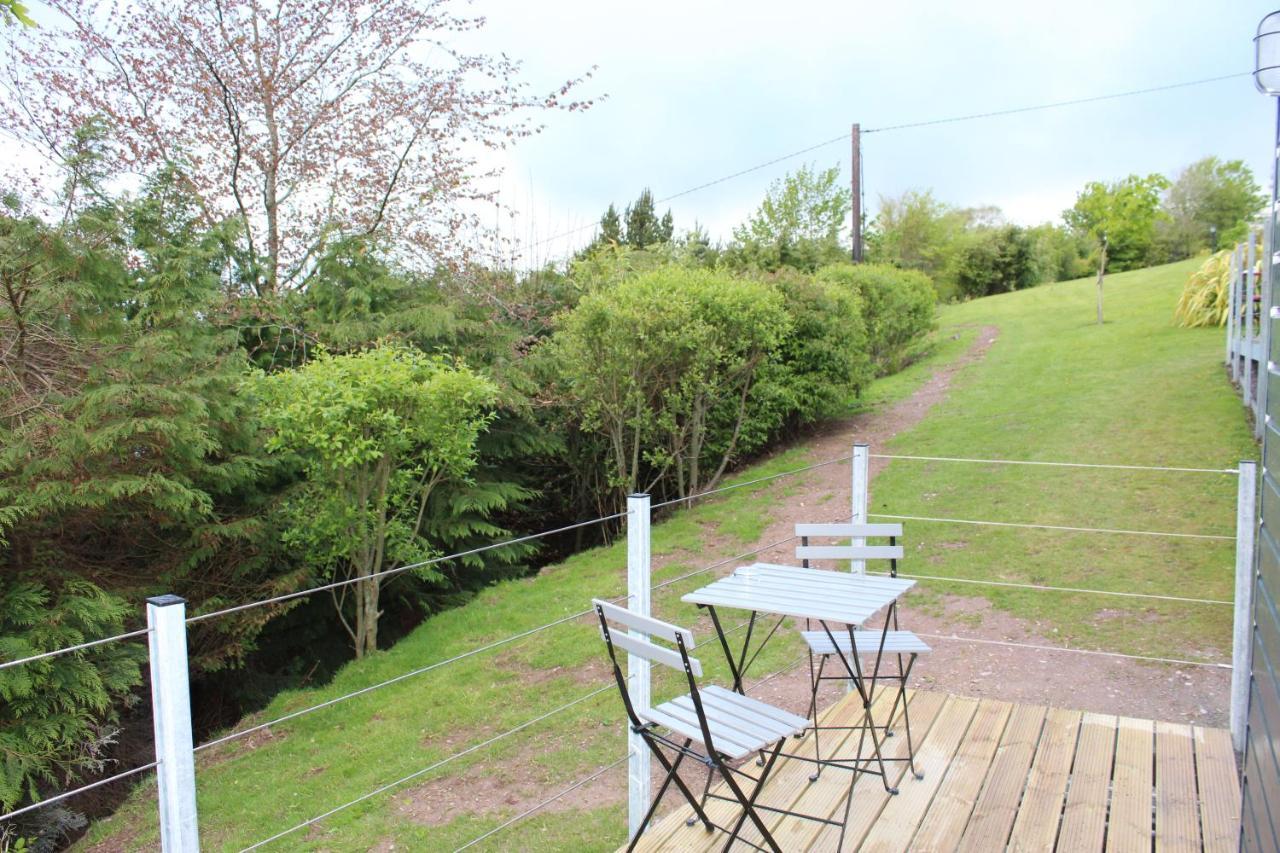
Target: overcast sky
[702,88]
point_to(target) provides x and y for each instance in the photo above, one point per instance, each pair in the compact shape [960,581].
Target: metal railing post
[171,712]
[1250,339]
[1242,636]
[1234,320]
[638,583]
[861,477]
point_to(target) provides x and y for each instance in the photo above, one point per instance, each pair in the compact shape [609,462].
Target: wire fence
[568,618]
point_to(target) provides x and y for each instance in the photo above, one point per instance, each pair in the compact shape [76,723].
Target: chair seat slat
[903,642]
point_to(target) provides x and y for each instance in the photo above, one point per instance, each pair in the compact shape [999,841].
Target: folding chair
[728,725]
[823,645]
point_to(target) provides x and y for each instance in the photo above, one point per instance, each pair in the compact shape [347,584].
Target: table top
[827,596]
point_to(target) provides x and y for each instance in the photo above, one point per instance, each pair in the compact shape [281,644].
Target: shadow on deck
[1003,776]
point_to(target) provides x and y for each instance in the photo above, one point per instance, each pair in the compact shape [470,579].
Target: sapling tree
[375,433]
[1120,218]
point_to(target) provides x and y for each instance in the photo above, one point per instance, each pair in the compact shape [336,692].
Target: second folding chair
[854,645]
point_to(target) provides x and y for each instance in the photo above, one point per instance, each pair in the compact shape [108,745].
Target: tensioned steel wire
[433,766]
[200,617]
[401,569]
[1062,527]
[79,647]
[48,801]
[752,482]
[1098,652]
[1113,466]
[1045,588]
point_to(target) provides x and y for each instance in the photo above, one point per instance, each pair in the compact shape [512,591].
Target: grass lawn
[1054,386]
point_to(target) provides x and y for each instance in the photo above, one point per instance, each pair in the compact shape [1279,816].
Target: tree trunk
[1102,268]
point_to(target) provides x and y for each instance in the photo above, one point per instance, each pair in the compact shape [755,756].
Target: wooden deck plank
[1036,825]
[1219,787]
[1177,821]
[997,804]
[902,814]
[944,823]
[1129,826]
[869,795]
[1084,819]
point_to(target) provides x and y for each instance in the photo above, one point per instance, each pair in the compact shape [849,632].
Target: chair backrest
[675,658]
[856,551]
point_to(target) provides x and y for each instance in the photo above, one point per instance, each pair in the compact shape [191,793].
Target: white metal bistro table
[838,601]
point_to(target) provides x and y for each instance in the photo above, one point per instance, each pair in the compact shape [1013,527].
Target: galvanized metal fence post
[1267,266]
[638,580]
[171,712]
[1242,637]
[1231,311]
[861,477]
[1250,339]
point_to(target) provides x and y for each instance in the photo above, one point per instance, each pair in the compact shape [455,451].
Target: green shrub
[994,260]
[897,309]
[662,365]
[822,363]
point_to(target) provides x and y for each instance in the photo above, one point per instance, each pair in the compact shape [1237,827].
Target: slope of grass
[1058,387]
[1054,386]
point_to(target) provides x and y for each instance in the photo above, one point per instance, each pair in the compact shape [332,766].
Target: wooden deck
[1001,776]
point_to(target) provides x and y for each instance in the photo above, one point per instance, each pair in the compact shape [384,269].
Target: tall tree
[301,121]
[611,227]
[644,228]
[1208,204]
[799,223]
[1120,218]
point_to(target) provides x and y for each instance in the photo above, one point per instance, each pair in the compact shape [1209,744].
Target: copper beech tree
[304,121]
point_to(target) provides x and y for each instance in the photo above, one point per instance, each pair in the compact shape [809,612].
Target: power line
[906,126]
[1056,104]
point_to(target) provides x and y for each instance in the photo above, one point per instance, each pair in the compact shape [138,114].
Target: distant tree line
[1146,220]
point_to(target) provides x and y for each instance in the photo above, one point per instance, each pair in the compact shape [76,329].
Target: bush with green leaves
[662,366]
[898,308]
[375,433]
[994,260]
[822,364]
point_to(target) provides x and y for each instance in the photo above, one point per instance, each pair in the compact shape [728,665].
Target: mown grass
[1054,386]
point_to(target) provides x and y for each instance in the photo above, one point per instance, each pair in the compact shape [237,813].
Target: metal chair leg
[748,803]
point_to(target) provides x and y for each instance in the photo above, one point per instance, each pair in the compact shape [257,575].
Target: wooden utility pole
[856,230]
